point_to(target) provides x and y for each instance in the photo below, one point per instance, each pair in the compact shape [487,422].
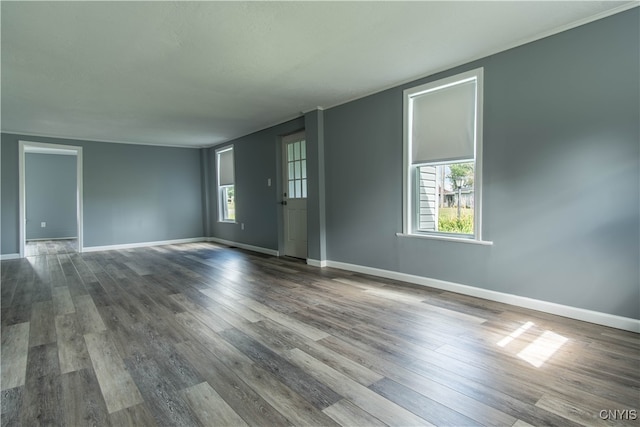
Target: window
[296,157]
[442,154]
[226,187]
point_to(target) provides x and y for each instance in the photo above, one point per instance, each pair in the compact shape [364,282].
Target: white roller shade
[225,167]
[443,124]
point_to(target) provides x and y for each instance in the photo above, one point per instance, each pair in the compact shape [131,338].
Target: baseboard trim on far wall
[244,246]
[51,238]
[142,244]
[9,256]
[605,319]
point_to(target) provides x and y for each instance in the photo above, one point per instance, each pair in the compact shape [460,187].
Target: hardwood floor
[200,334]
[50,247]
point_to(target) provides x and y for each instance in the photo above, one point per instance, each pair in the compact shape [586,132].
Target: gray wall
[257,158]
[132,193]
[50,196]
[561,175]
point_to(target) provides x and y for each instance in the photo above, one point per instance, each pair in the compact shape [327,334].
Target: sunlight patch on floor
[542,348]
[538,351]
[515,334]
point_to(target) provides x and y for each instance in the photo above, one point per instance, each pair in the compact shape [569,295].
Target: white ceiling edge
[545,34]
[75,138]
[278,123]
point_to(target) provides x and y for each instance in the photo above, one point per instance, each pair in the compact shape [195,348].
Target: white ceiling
[201,73]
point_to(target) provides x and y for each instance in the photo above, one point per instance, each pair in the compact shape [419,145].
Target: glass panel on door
[297,169]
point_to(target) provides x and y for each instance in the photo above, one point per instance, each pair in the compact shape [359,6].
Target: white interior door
[294,197]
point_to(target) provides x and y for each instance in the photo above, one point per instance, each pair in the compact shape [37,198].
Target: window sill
[447,239]
[229,221]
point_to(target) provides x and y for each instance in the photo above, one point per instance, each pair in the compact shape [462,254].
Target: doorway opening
[50,196]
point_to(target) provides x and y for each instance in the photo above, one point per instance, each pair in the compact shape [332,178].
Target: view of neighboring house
[438,197]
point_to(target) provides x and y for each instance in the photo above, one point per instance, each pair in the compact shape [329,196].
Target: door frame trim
[45,148]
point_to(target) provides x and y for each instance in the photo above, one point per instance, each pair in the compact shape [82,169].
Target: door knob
[284,202]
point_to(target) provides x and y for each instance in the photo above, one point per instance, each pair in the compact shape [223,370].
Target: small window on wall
[226,185]
[296,157]
[443,152]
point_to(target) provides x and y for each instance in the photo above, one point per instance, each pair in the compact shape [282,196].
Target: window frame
[410,181]
[222,189]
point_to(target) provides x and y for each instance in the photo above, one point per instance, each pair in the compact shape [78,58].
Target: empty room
[320,213]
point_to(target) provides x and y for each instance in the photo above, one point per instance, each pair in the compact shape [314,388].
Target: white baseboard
[9,256]
[605,319]
[245,246]
[316,263]
[51,238]
[142,244]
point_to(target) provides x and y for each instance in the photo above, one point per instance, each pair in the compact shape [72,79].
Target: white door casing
[44,148]
[294,196]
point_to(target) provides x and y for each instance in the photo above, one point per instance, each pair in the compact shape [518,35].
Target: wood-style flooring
[50,247]
[200,334]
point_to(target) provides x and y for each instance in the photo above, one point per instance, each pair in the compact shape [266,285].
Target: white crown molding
[70,138]
[260,129]
[490,52]
[591,316]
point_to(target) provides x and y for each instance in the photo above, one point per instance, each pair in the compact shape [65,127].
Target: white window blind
[443,123]
[225,167]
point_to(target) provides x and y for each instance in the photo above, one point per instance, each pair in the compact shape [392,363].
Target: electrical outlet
[43,224]
[268,182]
[242,226]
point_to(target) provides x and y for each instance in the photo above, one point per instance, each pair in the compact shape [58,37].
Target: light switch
[43,224]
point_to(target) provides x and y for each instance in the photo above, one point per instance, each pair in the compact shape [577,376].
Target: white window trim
[452,238]
[407,189]
[220,187]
